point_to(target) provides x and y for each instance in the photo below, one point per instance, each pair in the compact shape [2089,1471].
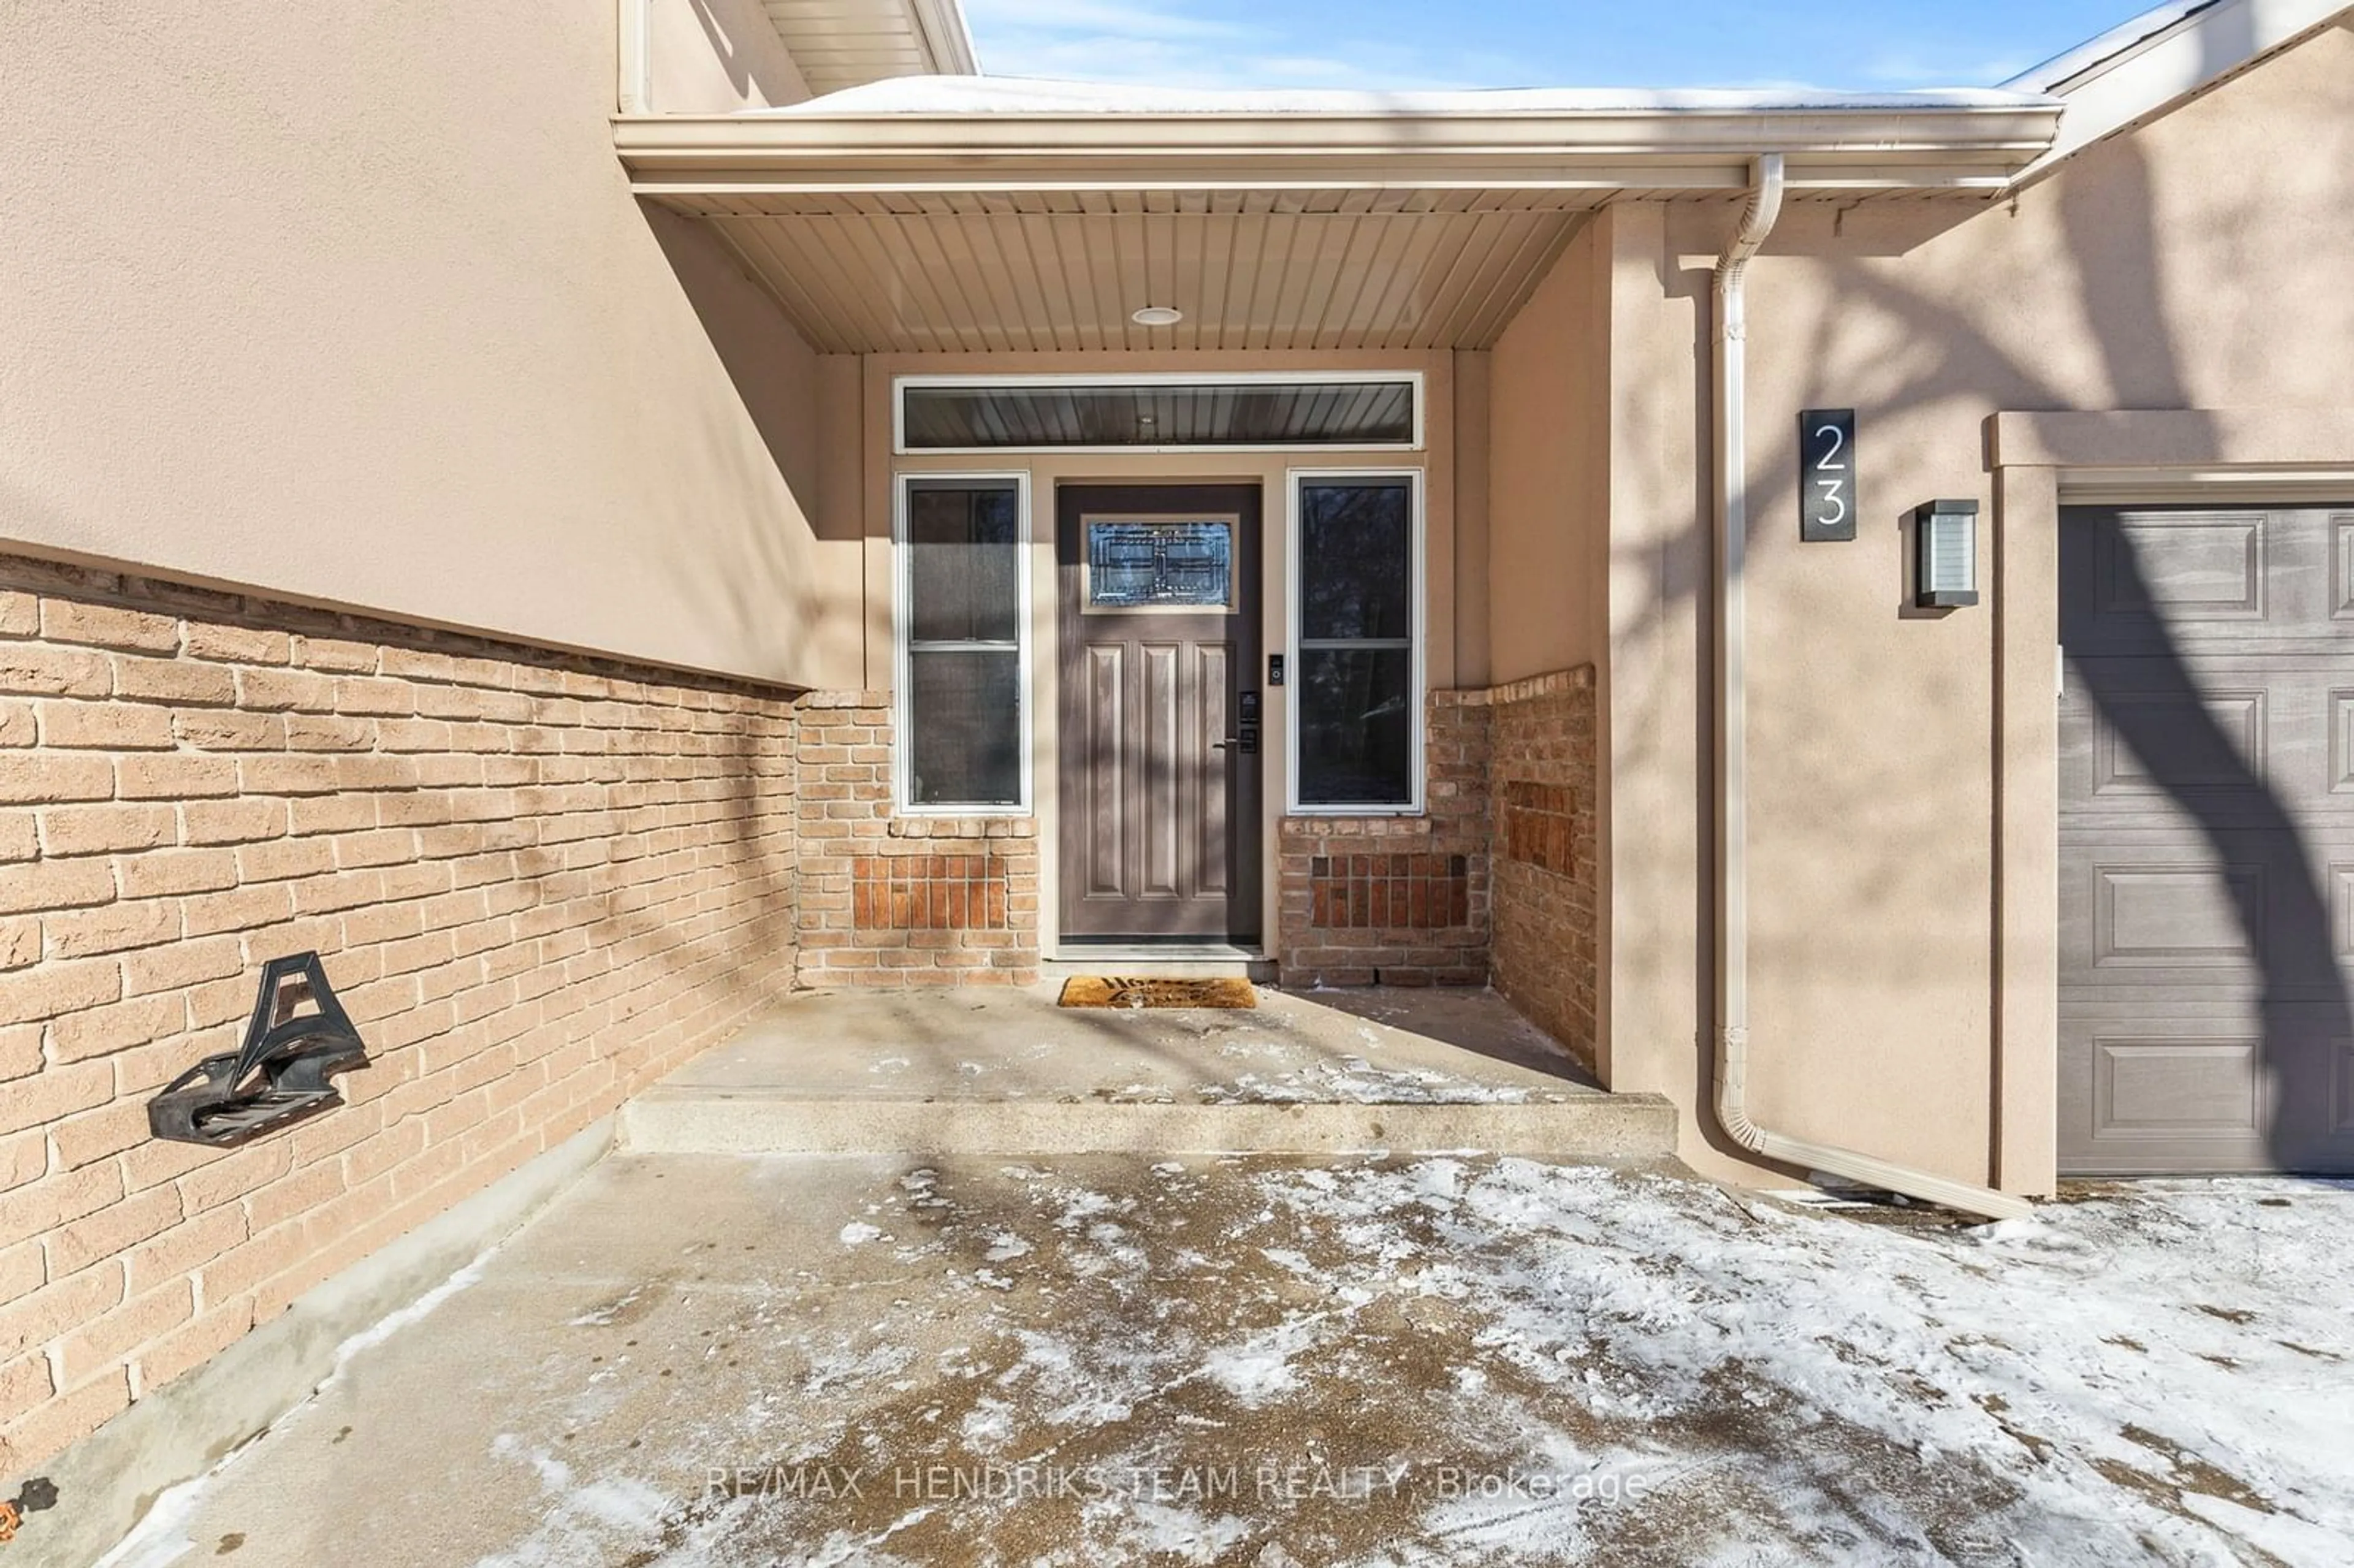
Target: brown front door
[1160,742]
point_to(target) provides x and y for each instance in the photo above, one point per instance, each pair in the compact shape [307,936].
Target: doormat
[1112,991]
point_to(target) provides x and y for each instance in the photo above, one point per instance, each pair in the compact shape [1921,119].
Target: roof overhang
[940,214]
[1975,145]
[2161,59]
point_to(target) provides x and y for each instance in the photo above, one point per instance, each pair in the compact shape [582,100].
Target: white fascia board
[1945,147]
[2056,74]
[1036,97]
[947,38]
[2160,59]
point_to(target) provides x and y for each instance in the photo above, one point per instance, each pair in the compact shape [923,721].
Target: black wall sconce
[1945,554]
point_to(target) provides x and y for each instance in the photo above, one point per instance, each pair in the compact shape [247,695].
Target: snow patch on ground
[578,1516]
[598,1317]
[1353,1080]
[1259,1368]
[2162,1364]
[391,1323]
[161,1536]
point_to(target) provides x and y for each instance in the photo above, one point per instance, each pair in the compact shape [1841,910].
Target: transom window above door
[1275,411]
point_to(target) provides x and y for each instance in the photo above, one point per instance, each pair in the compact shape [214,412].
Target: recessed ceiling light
[1157,315]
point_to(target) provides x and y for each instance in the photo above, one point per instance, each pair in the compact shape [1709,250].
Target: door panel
[1100,744]
[1159,768]
[1159,620]
[1213,678]
[2205,823]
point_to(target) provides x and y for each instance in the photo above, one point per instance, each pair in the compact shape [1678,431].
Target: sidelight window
[1356,622]
[963,614]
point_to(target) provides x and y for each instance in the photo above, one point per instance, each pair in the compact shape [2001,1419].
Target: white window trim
[902,587]
[900,385]
[1417,565]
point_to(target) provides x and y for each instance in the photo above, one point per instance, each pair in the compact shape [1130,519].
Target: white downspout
[633,58]
[1732,794]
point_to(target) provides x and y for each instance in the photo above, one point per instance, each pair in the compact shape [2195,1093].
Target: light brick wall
[537,883]
[890,900]
[1396,900]
[1497,884]
[1547,872]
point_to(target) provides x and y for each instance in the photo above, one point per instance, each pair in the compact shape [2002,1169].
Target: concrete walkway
[1010,1072]
[1100,1362]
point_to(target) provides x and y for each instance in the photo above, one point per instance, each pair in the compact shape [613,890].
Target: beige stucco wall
[2192,264]
[716,57]
[361,310]
[1548,473]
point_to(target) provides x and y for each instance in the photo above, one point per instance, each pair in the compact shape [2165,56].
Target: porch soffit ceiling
[842,44]
[1417,221]
[1063,270]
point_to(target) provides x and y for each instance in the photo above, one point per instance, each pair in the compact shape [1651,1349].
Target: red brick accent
[927,893]
[1540,824]
[538,883]
[887,900]
[1547,872]
[1409,892]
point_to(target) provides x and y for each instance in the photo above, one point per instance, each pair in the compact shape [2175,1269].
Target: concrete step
[1147,963]
[681,1119]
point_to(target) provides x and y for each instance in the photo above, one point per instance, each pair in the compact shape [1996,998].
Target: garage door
[2207,838]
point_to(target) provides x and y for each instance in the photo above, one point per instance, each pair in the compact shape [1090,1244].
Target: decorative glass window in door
[1159,563]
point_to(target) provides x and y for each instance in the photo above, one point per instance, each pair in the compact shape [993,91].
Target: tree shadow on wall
[1947,355]
[2142,681]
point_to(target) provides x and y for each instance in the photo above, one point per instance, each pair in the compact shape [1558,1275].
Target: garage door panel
[2197,740]
[2185,567]
[2341,565]
[2192,1087]
[2221,738]
[2341,1090]
[2171,1092]
[2155,912]
[2177,915]
[2339,759]
[2206,840]
[2315,1097]
[2187,578]
[2209,1090]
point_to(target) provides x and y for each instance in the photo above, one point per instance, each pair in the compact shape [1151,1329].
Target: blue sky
[1534,43]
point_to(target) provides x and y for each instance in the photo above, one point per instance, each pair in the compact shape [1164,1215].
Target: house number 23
[1826,503]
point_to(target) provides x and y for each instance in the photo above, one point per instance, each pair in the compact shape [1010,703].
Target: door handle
[1246,742]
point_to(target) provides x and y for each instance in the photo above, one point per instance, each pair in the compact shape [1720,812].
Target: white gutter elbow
[1731,784]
